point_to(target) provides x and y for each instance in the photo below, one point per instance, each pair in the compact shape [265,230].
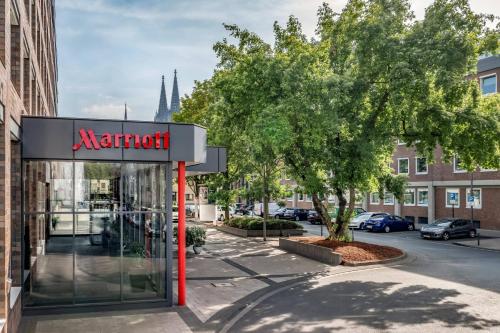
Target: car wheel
[411,227]
[361,226]
[387,229]
[472,233]
[276,216]
[446,236]
[297,218]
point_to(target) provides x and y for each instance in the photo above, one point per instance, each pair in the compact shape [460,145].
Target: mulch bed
[354,252]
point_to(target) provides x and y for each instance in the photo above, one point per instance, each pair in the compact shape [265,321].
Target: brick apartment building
[432,188]
[28,86]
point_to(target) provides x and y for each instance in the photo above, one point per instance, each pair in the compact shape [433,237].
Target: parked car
[258,209]
[239,208]
[358,222]
[221,213]
[279,214]
[447,228]
[357,211]
[389,223]
[297,214]
[313,217]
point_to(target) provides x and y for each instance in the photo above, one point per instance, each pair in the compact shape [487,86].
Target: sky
[112,52]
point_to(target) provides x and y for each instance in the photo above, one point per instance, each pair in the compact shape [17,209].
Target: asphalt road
[439,287]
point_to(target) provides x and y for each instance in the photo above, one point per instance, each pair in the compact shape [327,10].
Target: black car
[447,228]
[297,214]
[313,217]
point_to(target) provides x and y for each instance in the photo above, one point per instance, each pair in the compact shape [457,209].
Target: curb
[475,247]
[375,262]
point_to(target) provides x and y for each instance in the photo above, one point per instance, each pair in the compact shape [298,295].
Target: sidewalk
[488,240]
[233,271]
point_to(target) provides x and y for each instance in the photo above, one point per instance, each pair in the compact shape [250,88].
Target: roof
[488,63]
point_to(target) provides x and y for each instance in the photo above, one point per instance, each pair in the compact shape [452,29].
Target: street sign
[453,198]
[471,199]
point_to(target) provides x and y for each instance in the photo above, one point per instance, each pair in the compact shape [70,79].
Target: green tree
[339,103]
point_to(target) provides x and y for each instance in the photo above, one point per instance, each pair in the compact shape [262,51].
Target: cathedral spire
[163,114]
[175,105]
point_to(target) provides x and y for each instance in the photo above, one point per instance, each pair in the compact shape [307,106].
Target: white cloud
[105,111]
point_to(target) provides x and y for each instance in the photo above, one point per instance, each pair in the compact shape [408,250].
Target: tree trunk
[340,220]
[266,202]
[322,211]
[226,188]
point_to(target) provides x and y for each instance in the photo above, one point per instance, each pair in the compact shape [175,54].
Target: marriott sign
[157,140]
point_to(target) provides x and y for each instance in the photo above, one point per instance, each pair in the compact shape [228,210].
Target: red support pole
[181,232]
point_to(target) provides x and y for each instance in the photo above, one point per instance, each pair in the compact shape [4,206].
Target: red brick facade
[28,75]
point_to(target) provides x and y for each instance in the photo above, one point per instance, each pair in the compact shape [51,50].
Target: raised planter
[259,233]
[319,253]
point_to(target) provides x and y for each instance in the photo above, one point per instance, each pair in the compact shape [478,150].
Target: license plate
[368,227]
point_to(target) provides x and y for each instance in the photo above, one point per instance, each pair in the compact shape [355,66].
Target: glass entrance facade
[94,232]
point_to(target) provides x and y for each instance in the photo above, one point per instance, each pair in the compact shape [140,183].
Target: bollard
[478,239]
[352,234]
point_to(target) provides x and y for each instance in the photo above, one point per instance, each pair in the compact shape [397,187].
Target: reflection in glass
[144,186]
[143,256]
[97,187]
[97,258]
[51,266]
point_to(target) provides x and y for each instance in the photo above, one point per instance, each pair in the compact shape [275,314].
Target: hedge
[257,223]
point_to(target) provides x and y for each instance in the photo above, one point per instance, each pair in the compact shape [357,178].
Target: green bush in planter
[257,223]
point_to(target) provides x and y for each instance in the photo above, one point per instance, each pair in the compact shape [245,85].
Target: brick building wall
[28,78]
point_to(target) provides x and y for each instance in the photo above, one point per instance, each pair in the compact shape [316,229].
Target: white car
[358,222]
[221,214]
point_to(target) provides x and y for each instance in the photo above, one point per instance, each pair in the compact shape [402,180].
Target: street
[439,287]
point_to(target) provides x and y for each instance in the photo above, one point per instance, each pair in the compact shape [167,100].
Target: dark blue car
[389,223]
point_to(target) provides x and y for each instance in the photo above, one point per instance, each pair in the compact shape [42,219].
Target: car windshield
[441,223]
[363,216]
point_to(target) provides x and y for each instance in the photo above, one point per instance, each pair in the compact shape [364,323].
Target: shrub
[194,236]
[257,223]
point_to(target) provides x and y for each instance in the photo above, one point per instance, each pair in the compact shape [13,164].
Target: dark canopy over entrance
[97,207]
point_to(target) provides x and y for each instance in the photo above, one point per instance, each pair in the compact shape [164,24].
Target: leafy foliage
[257,223]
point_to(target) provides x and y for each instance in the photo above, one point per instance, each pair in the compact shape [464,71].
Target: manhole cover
[223,284]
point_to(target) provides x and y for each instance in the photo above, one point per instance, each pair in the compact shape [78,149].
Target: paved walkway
[488,239]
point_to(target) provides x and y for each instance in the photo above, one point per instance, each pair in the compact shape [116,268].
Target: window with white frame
[457,165]
[308,197]
[301,196]
[452,197]
[374,198]
[421,166]
[401,142]
[488,84]
[403,166]
[290,198]
[422,197]
[388,198]
[409,197]
[474,200]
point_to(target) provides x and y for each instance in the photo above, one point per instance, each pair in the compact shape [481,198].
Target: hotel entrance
[104,232]
[97,224]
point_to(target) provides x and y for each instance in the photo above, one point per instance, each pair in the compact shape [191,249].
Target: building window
[489,84]
[189,196]
[452,197]
[308,198]
[474,200]
[374,198]
[388,199]
[456,165]
[422,197]
[421,166]
[409,197]
[401,142]
[403,166]
[301,196]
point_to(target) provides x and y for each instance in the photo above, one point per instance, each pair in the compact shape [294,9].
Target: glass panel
[52,265]
[97,258]
[144,187]
[97,186]
[144,256]
[59,176]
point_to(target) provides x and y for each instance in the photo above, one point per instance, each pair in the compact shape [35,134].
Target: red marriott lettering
[88,139]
